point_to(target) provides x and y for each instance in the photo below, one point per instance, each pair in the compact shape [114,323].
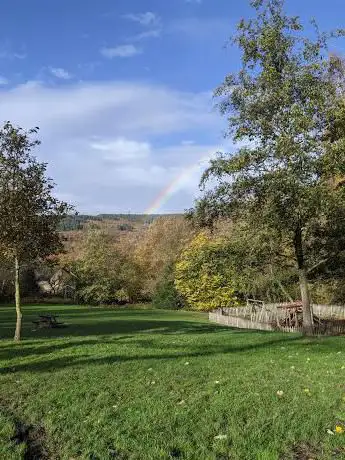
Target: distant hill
[76,222]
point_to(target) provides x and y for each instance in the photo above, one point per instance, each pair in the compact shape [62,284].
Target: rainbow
[171,188]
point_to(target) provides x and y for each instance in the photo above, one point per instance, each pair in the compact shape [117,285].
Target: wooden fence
[237,321]
[267,318]
[271,310]
[329,311]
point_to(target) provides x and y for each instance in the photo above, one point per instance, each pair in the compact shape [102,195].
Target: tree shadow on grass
[37,349]
[113,326]
[235,341]
[85,359]
[105,333]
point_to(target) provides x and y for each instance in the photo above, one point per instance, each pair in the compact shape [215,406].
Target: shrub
[203,276]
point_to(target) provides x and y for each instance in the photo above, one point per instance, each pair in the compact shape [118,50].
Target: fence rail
[266,318]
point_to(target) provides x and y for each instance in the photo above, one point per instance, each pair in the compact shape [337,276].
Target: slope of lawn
[144,384]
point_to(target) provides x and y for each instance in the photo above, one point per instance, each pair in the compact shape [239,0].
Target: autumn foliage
[201,276]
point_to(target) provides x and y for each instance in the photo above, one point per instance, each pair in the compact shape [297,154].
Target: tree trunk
[17,296]
[308,322]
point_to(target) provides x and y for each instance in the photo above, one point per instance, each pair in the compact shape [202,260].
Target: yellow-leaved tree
[203,276]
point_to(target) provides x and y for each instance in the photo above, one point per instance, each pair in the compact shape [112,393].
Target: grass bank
[147,384]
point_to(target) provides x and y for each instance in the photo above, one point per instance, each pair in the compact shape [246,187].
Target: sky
[122,92]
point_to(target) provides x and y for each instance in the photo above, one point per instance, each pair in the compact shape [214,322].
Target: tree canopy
[286,107]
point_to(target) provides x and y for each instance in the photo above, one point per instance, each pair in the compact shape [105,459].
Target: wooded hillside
[174,264]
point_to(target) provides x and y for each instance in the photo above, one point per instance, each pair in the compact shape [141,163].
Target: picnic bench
[48,322]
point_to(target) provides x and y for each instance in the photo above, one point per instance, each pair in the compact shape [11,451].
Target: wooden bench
[48,322]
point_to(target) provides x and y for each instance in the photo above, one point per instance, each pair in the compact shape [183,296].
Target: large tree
[29,213]
[286,107]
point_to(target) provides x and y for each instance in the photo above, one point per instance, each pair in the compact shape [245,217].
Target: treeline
[175,264]
[110,266]
[77,221]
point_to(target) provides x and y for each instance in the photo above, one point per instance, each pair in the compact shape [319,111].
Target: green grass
[145,384]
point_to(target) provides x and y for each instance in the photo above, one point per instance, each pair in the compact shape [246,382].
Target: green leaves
[286,104]
[29,213]
[105,273]
[202,276]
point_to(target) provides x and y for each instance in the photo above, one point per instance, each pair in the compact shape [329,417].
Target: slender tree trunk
[308,322]
[17,296]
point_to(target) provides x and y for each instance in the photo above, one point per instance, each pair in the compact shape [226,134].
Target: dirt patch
[303,451]
[34,438]
[306,451]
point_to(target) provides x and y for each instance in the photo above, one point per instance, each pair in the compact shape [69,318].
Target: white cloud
[114,146]
[187,142]
[145,19]
[122,150]
[3,81]
[154,33]
[205,29]
[7,51]
[120,51]
[148,20]
[19,55]
[58,72]
[116,107]
[7,54]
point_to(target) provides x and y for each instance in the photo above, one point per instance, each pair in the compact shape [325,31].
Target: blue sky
[122,91]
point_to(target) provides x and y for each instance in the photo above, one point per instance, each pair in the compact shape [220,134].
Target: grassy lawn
[143,384]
